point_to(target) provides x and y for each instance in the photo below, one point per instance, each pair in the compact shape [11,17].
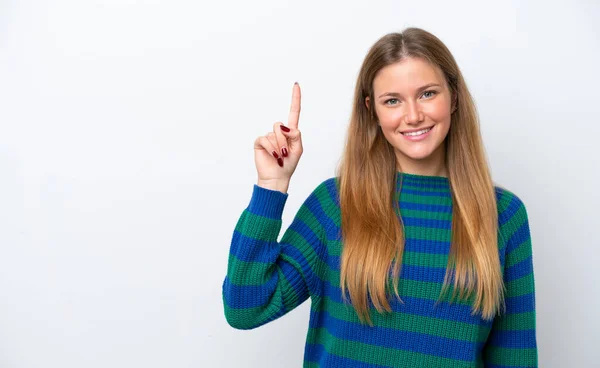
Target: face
[413,96]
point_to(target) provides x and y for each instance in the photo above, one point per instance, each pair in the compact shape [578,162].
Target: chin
[416,154]
[417,157]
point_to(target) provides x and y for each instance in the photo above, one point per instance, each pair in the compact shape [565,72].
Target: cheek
[439,111]
[389,118]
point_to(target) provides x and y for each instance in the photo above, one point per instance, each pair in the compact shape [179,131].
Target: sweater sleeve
[266,278]
[512,340]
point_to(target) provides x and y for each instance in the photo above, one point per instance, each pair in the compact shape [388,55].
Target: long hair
[372,230]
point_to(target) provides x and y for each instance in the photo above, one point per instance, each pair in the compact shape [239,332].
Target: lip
[418,137]
[416,130]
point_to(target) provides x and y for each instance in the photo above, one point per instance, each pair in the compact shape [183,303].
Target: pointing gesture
[277,153]
[295,109]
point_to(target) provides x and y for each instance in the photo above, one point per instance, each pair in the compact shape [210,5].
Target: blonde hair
[372,232]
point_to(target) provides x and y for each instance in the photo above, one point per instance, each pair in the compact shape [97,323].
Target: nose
[413,114]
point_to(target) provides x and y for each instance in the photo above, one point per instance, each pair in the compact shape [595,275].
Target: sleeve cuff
[266,202]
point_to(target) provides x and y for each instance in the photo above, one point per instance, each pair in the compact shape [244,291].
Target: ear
[367,101]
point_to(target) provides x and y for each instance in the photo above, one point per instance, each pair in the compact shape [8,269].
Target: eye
[432,92]
[391,99]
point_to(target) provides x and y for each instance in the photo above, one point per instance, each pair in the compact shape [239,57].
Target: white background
[126,132]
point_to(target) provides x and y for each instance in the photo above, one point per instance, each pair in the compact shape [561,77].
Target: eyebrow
[396,94]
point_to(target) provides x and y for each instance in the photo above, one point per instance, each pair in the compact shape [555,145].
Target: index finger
[295,109]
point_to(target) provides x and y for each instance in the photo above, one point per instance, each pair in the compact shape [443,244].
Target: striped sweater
[267,278]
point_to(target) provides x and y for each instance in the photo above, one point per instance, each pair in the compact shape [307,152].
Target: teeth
[418,133]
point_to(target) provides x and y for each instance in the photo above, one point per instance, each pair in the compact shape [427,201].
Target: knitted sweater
[267,279]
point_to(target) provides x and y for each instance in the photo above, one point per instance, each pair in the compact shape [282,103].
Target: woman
[411,256]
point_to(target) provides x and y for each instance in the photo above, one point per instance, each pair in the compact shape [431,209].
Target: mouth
[418,133]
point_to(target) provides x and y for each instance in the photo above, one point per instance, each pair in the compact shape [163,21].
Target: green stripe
[422,233]
[522,252]
[424,189]
[416,289]
[251,317]
[513,357]
[418,199]
[515,222]
[258,227]
[420,214]
[253,273]
[516,321]
[521,286]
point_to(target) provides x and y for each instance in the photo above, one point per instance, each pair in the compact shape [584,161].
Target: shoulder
[508,202]
[327,191]
[512,213]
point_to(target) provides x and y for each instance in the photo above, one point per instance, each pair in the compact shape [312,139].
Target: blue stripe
[267,253]
[513,206]
[331,186]
[306,270]
[425,207]
[314,206]
[250,296]
[518,237]
[427,246]
[316,244]
[396,339]
[249,249]
[439,182]
[241,297]
[513,339]
[520,304]
[267,203]
[443,187]
[518,270]
[295,280]
[426,194]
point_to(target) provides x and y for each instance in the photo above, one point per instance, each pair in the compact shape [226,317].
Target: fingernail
[280,162]
[284,128]
[284,151]
[295,82]
[275,154]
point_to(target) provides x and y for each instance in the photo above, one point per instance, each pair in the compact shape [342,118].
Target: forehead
[408,74]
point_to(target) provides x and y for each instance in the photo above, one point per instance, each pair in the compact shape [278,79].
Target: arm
[266,278]
[512,340]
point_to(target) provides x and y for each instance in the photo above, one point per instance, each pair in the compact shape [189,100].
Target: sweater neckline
[417,177]
[423,181]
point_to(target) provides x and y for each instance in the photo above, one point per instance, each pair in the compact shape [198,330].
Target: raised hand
[277,153]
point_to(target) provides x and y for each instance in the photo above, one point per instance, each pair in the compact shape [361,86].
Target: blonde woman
[411,255]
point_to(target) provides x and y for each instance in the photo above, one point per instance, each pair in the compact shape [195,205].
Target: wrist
[274,184]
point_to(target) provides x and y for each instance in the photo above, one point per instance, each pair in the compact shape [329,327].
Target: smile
[412,134]
[419,135]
